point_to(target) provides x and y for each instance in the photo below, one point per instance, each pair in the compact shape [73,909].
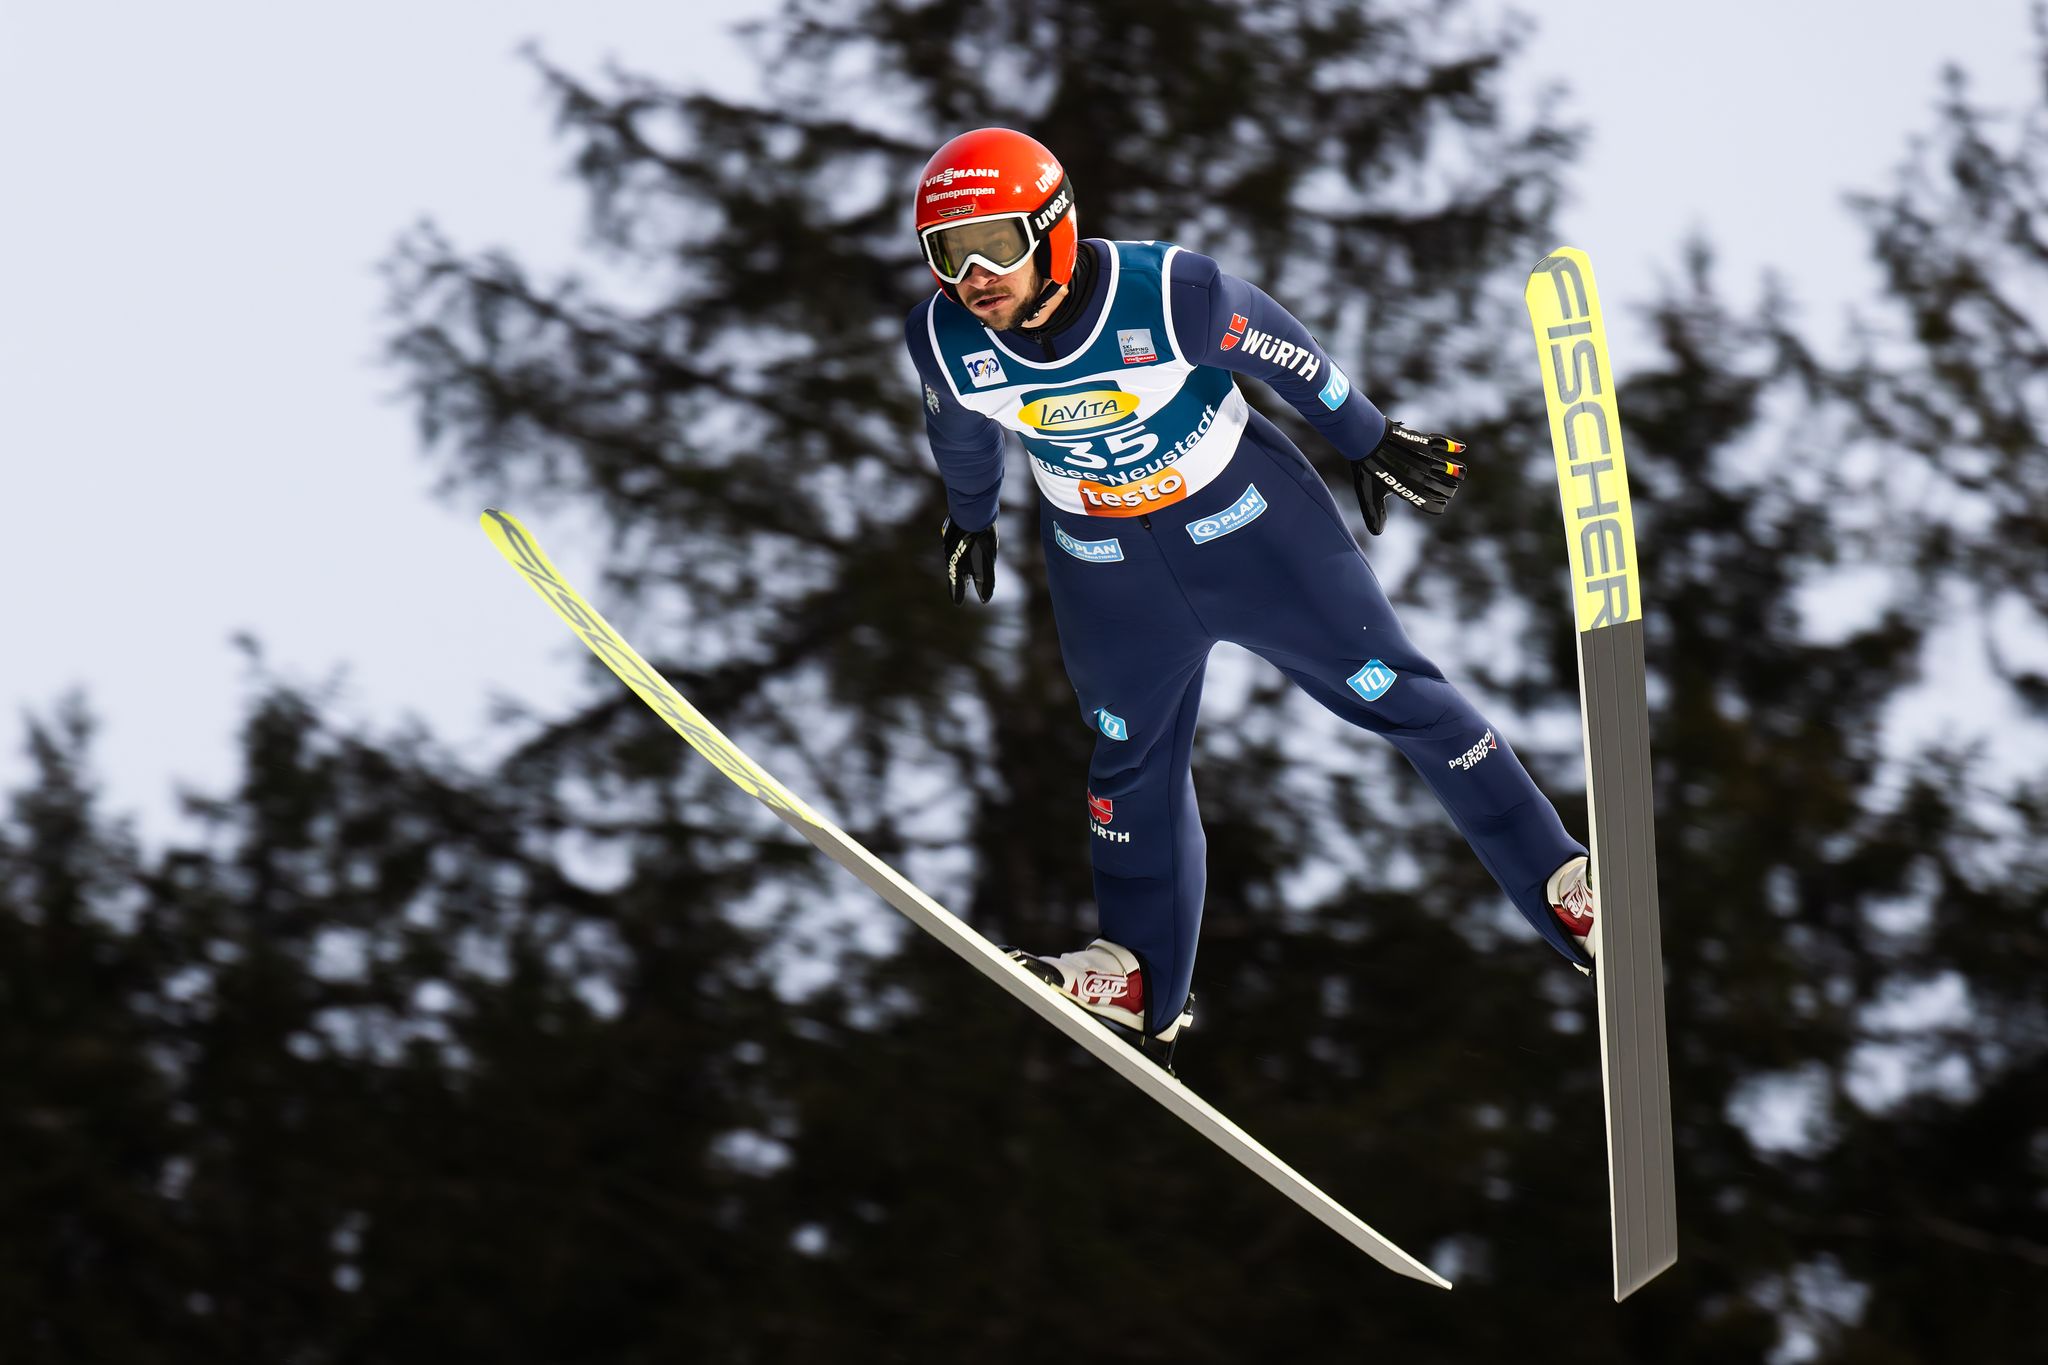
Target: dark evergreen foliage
[586,1059]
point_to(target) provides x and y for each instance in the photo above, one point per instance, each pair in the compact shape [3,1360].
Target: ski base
[1630,968]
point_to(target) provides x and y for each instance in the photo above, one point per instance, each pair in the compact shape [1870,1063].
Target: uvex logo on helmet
[1051,213]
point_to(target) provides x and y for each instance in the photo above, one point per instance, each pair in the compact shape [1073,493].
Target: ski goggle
[999,244]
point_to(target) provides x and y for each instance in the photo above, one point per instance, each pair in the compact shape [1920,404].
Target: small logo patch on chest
[1136,345]
[983,368]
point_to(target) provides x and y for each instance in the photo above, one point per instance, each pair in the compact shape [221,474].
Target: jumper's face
[1000,302]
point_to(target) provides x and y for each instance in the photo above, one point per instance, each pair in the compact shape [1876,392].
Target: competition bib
[1125,425]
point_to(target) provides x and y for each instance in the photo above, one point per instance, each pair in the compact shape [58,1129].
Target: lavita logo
[1083,411]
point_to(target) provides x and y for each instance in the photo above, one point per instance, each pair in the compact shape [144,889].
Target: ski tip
[495,521]
[1401,1263]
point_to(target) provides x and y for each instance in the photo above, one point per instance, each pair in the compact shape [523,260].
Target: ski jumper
[1173,517]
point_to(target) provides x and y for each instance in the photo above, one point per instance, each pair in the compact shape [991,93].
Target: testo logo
[1133,499]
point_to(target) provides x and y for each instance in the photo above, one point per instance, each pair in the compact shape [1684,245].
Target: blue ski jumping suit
[1173,517]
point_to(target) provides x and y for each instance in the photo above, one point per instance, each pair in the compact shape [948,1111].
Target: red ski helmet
[996,198]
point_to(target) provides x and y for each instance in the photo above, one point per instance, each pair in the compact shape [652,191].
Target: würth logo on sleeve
[1288,356]
[1238,322]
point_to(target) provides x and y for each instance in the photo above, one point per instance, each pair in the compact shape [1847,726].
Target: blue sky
[196,439]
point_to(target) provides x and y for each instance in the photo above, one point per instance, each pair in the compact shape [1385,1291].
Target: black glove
[970,554]
[1418,467]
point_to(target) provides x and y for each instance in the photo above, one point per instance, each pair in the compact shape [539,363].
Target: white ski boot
[1107,980]
[1571,900]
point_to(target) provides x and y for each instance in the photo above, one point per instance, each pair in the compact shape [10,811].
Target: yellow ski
[525,555]
[1600,536]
